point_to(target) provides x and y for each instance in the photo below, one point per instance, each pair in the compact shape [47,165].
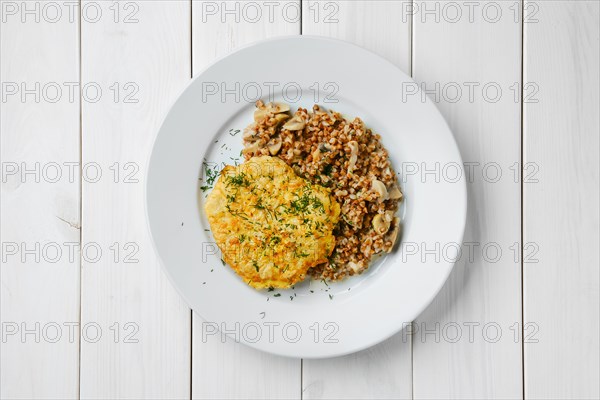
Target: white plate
[313,320]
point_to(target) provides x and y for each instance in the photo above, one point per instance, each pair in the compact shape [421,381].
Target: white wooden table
[86,309]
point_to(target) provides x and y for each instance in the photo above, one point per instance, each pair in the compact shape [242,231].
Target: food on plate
[271,225]
[349,160]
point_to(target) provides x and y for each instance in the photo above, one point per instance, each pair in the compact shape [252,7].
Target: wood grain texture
[381,26]
[561,290]
[230,370]
[220,27]
[383,371]
[149,49]
[224,369]
[39,210]
[484,289]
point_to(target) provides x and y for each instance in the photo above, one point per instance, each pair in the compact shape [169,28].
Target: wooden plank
[383,371]
[39,127]
[138,53]
[229,370]
[561,290]
[465,346]
[219,27]
[382,26]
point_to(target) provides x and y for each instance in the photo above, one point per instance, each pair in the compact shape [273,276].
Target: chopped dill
[211,173]
[302,204]
[238,180]
[300,254]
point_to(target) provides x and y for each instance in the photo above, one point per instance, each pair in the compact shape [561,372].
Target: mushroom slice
[395,193]
[279,118]
[263,111]
[321,149]
[252,148]
[260,114]
[294,124]
[381,224]
[279,108]
[353,155]
[249,133]
[393,235]
[274,146]
[378,187]
[354,266]
[389,215]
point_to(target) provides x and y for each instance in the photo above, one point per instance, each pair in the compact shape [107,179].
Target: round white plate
[314,319]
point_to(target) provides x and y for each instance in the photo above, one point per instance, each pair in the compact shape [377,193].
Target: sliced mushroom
[249,133]
[263,111]
[354,266]
[381,224]
[280,108]
[393,234]
[378,187]
[322,148]
[294,124]
[395,193]
[353,155]
[252,148]
[279,118]
[260,114]
[389,215]
[274,146]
